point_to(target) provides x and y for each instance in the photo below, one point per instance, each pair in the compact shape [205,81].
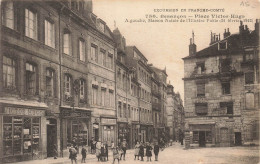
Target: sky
[165,44]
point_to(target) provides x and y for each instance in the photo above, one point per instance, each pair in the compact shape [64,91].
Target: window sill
[97,64]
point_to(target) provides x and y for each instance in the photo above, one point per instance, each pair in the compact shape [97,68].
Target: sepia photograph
[129,81]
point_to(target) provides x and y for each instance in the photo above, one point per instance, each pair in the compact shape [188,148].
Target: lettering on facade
[66,113]
[23,111]
[108,121]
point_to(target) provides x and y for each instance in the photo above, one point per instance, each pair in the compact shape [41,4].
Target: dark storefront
[124,133]
[75,126]
[24,133]
[135,133]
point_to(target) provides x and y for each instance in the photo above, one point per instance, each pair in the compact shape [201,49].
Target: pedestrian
[162,144]
[73,154]
[141,151]
[181,136]
[149,151]
[55,152]
[98,150]
[92,142]
[102,153]
[84,154]
[137,149]
[106,150]
[156,150]
[115,154]
[123,147]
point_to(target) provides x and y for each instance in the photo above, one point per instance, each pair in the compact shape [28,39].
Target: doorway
[202,139]
[238,139]
[51,137]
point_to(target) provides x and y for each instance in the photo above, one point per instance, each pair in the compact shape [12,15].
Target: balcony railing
[156,93]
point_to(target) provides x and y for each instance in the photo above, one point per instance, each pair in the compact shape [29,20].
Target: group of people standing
[139,151]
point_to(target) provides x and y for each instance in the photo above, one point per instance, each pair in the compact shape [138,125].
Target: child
[115,154]
[84,155]
[141,151]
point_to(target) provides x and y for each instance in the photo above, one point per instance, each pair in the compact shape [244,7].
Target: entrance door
[238,139]
[202,139]
[51,137]
[224,139]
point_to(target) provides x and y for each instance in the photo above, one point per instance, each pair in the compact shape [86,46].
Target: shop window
[30,79]
[201,108]
[9,74]
[201,90]
[49,34]
[8,14]
[31,24]
[49,82]
[208,137]
[249,78]
[81,50]
[225,88]
[66,43]
[21,135]
[250,100]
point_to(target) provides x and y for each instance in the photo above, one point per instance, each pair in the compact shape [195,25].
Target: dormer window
[222,45]
[102,27]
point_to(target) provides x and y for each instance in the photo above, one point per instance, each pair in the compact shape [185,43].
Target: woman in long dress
[137,149]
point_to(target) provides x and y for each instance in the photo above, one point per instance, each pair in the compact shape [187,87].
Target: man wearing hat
[123,147]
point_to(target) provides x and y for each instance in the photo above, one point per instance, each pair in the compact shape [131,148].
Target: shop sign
[66,113]
[23,111]
[108,121]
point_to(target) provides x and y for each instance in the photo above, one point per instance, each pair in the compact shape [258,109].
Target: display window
[77,131]
[21,135]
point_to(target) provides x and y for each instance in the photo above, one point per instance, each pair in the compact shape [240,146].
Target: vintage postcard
[129,81]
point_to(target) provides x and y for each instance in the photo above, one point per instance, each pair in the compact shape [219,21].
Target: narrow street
[177,155]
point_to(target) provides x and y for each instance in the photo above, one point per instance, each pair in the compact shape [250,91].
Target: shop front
[202,135]
[108,130]
[124,133]
[135,133]
[23,130]
[75,126]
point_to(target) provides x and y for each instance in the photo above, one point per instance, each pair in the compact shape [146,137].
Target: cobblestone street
[177,155]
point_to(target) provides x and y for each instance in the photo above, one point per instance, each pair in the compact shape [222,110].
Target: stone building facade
[136,60]
[57,78]
[175,113]
[222,88]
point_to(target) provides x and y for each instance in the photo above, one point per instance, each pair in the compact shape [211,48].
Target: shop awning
[29,103]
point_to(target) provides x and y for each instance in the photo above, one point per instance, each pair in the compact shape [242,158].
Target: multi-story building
[156,106]
[123,86]
[29,80]
[142,74]
[175,113]
[57,78]
[161,77]
[222,89]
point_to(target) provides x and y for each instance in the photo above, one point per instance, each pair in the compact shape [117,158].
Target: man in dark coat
[148,151]
[156,150]
[141,151]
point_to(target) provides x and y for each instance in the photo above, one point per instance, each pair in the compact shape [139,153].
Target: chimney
[257,23]
[88,7]
[192,46]
[241,28]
